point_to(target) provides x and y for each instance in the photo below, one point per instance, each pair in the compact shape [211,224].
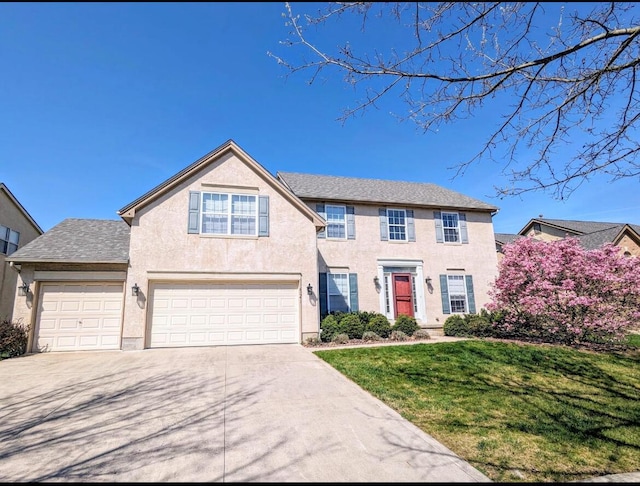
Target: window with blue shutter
[322,295]
[464,235]
[353,292]
[194,212]
[351,223]
[263,215]
[437,219]
[444,291]
[384,234]
[411,227]
[320,210]
[470,295]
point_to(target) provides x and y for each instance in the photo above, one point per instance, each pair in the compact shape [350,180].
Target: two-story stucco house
[17,228]
[226,253]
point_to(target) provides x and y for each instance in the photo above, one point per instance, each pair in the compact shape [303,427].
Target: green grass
[549,413]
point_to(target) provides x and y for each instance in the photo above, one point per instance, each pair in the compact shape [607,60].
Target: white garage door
[79,316]
[192,314]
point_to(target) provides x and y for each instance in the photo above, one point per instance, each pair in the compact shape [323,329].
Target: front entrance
[403,294]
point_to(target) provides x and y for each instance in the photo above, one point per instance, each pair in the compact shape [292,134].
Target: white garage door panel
[192,314]
[79,316]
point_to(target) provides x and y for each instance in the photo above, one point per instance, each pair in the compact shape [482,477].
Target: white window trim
[466,297]
[444,228]
[348,296]
[421,314]
[229,213]
[344,222]
[406,229]
[6,238]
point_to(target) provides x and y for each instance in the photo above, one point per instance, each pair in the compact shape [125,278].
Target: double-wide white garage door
[79,316]
[204,314]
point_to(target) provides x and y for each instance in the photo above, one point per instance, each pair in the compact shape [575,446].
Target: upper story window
[397,224]
[8,240]
[451,227]
[229,214]
[336,221]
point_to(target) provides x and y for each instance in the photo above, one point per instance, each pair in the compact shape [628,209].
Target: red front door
[403,294]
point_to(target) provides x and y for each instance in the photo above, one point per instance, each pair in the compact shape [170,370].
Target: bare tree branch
[569,72]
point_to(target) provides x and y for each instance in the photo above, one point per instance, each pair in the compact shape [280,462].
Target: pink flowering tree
[560,292]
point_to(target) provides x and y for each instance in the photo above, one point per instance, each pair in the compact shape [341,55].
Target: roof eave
[64,260]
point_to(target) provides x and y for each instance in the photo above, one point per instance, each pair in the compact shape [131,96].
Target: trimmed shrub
[455,325]
[398,336]
[479,325]
[352,326]
[330,327]
[366,316]
[13,338]
[421,334]
[406,324]
[379,325]
[370,336]
[340,338]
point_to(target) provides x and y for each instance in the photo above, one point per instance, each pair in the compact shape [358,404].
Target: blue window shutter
[464,235]
[321,212]
[194,212]
[470,296]
[444,291]
[322,295]
[384,234]
[353,292]
[351,223]
[437,217]
[411,227]
[263,215]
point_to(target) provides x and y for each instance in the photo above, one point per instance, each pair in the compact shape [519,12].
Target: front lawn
[516,412]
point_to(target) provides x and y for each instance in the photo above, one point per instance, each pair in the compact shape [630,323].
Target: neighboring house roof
[591,234]
[504,238]
[80,241]
[323,187]
[6,190]
[128,212]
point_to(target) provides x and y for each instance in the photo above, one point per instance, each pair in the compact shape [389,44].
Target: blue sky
[103,101]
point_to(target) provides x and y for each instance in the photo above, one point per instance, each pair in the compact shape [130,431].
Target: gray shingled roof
[596,239]
[504,238]
[335,188]
[578,226]
[79,240]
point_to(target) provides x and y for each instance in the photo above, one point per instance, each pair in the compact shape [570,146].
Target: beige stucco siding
[161,247]
[548,233]
[627,244]
[12,217]
[361,256]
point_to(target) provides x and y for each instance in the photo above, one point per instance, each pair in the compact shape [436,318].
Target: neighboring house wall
[548,233]
[161,249]
[627,244]
[12,217]
[367,255]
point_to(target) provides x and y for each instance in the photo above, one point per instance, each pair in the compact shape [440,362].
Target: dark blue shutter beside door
[194,212]
[351,223]
[437,218]
[322,294]
[353,292]
[263,215]
[464,235]
[470,295]
[321,212]
[411,227]
[384,234]
[444,291]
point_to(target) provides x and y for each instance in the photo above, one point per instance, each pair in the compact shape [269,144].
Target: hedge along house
[224,253]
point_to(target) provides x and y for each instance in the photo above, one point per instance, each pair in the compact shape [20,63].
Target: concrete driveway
[225,414]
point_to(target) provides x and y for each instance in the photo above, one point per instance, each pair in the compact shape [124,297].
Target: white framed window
[451,227]
[338,292]
[229,214]
[8,240]
[457,293]
[397,224]
[336,221]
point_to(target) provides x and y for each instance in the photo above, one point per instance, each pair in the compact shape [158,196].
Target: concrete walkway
[241,414]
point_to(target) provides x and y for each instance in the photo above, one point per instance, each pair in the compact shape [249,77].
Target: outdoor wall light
[135,290]
[376,281]
[23,290]
[428,280]
[309,289]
